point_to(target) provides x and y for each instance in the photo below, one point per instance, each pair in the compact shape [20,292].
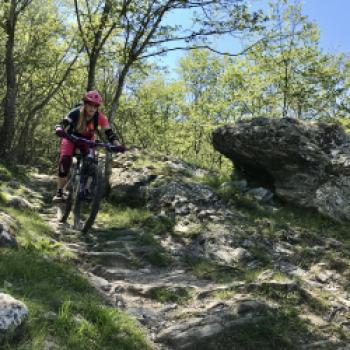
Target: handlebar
[93,144]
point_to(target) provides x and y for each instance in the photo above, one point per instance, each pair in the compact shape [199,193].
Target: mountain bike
[85,185]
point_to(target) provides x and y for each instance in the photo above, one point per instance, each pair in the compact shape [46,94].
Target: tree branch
[205,47]
[81,28]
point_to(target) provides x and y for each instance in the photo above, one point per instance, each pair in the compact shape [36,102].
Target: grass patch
[310,219]
[79,320]
[261,255]
[159,225]
[294,297]
[155,254]
[274,332]
[288,216]
[179,295]
[158,258]
[18,172]
[63,307]
[120,216]
[204,268]
[142,162]
[4,197]
[224,294]
[5,173]
[146,227]
[34,233]
[215,182]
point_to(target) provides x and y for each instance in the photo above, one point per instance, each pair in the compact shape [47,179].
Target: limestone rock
[305,163]
[8,229]
[12,314]
[20,202]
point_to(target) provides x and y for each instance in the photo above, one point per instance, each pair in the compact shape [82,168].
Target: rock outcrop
[12,314]
[200,273]
[8,229]
[304,163]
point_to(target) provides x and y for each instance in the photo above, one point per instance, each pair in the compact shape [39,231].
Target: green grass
[158,258]
[4,197]
[224,294]
[205,268]
[5,173]
[288,216]
[63,307]
[272,332]
[142,162]
[145,227]
[159,225]
[120,216]
[9,172]
[36,235]
[46,285]
[171,294]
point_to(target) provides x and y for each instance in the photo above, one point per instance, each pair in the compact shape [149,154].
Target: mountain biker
[82,121]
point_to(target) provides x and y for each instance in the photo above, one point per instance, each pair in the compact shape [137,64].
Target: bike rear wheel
[85,211]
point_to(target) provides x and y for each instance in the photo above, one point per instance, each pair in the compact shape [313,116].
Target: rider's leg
[66,155]
[61,182]
[63,170]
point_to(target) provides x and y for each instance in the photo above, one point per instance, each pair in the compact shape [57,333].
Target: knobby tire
[68,203]
[94,204]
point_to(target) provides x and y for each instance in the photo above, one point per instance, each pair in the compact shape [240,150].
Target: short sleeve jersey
[97,121]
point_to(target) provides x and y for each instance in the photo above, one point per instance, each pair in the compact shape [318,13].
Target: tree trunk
[112,112]
[92,72]
[285,90]
[118,91]
[20,152]
[7,129]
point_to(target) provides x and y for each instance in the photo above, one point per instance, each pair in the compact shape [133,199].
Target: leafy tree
[11,10]
[97,22]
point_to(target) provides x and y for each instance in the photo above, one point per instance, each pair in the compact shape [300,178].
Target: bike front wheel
[86,209]
[65,208]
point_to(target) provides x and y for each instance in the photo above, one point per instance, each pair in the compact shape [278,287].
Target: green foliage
[312,221]
[205,268]
[159,225]
[344,122]
[144,227]
[35,234]
[120,216]
[171,294]
[215,181]
[269,332]
[5,173]
[13,171]
[4,197]
[155,253]
[158,258]
[63,306]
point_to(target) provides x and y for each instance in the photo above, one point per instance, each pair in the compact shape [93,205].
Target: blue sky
[333,20]
[331,16]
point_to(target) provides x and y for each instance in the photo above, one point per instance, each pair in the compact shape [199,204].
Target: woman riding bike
[82,121]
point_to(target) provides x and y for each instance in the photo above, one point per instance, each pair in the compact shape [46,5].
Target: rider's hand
[60,132]
[118,148]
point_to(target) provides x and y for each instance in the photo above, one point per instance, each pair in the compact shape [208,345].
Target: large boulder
[8,230]
[305,163]
[12,314]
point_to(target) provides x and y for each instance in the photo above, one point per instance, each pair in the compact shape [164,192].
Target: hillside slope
[200,264]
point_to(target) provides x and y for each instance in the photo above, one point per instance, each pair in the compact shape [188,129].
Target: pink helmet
[93,97]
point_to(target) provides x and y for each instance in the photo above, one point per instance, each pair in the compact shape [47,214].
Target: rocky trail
[185,308]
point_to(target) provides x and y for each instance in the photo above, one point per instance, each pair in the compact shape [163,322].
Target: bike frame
[81,170]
